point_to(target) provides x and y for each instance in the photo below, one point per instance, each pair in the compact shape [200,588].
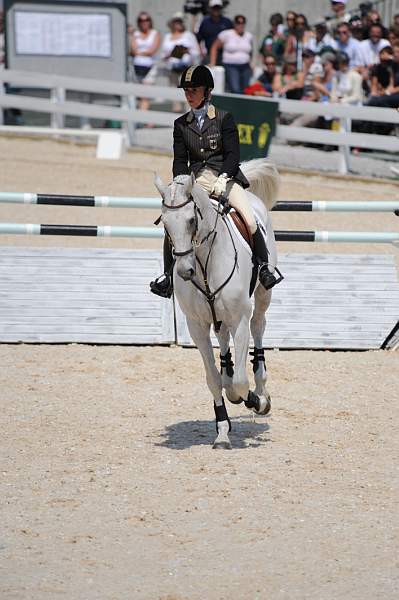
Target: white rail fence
[127,113]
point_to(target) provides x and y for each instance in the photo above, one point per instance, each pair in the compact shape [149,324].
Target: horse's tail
[263,178]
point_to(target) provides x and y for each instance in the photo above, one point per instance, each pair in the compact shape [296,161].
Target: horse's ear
[159,185]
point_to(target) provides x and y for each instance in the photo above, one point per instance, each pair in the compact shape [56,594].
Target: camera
[193,7]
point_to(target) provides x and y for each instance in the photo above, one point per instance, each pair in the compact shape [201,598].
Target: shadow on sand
[245,433]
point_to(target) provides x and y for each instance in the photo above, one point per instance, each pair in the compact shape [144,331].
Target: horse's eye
[191,222]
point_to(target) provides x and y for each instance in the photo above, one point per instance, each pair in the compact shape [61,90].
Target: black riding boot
[266,278]
[163,285]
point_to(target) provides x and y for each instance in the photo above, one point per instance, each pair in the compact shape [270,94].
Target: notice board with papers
[70,37]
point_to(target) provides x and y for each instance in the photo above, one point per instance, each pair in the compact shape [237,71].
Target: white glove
[219,188]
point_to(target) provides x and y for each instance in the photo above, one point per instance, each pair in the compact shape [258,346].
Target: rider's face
[195,96]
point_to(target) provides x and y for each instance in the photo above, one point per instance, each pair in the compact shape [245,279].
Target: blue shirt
[352,49]
[210,29]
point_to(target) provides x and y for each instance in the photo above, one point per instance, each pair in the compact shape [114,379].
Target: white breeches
[234,192]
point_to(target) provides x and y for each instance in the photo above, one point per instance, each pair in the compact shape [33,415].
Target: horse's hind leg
[258,325]
[238,391]
[201,338]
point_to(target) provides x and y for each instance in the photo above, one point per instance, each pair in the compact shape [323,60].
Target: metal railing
[58,106]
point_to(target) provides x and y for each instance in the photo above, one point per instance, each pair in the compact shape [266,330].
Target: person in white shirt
[338,8]
[371,48]
[347,83]
[237,47]
[323,40]
[179,49]
[144,44]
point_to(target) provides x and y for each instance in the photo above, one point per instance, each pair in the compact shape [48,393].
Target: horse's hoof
[221,445]
[239,401]
[264,405]
[260,405]
[232,395]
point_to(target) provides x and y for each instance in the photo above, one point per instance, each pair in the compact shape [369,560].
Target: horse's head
[181,216]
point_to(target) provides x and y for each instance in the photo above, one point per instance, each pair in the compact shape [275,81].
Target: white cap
[339,1]
[213,3]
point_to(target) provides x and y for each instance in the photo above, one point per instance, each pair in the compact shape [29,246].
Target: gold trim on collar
[190,117]
[211,111]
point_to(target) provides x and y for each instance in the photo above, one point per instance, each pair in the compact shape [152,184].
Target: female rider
[205,142]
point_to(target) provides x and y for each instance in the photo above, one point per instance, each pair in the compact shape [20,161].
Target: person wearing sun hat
[340,15]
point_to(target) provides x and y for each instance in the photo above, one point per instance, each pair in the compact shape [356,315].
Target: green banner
[256,123]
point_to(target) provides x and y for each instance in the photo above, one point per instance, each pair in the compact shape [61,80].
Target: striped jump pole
[372,237]
[143,202]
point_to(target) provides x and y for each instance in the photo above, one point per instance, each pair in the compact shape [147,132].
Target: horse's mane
[263,178]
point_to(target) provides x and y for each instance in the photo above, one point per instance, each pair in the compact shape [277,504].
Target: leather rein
[206,291]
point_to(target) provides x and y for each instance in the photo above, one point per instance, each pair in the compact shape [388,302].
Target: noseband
[197,212]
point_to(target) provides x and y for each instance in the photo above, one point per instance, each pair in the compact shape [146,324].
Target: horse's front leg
[226,362]
[200,336]
[238,390]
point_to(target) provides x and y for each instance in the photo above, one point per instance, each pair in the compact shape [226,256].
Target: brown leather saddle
[242,227]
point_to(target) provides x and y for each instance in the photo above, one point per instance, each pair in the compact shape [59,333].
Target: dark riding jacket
[215,146]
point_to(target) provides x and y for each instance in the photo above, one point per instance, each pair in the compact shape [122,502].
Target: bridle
[209,295]
[197,212]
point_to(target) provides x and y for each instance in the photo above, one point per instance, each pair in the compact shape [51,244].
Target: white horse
[212,277]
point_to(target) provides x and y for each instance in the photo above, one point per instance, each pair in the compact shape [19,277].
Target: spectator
[211,26]
[356,28]
[144,44]
[237,47]
[370,48]
[290,18]
[323,85]
[323,40]
[347,83]
[317,88]
[374,18]
[312,71]
[302,37]
[289,84]
[338,8]
[385,80]
[179,50]
[395,20]
[347,44]
[274,41]
[393,36]
[263,86]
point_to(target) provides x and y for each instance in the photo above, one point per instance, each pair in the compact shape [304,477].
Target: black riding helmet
[196,76]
